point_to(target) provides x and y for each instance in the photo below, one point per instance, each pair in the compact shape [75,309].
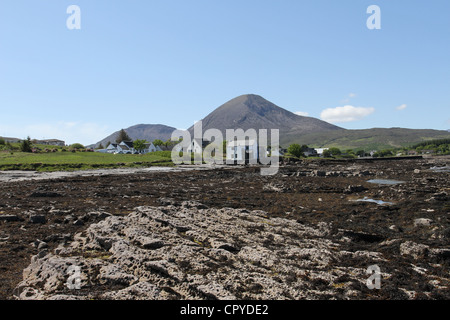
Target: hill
[253,111]
[149,132]
[368,139]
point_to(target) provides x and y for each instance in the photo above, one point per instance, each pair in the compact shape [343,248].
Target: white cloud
[350,96]
[301,113]
[345,114]
[402,107]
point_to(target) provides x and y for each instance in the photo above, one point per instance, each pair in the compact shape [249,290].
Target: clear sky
[174,61]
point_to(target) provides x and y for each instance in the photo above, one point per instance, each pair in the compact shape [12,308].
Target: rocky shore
[229,233]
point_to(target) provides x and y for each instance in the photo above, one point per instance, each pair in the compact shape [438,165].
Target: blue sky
[174,61]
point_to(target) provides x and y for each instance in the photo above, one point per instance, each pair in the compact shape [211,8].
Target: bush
[26,145]
[77,146]
[296,150]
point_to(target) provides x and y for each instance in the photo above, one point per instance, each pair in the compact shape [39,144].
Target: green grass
[367,139]
[69,161]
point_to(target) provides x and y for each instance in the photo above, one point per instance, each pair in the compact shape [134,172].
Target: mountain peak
[252,111]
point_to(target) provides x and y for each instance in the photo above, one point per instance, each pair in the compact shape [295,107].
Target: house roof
[201,142]
[129,144]
[238,143]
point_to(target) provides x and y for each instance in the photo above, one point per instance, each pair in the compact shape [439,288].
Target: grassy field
[69,161]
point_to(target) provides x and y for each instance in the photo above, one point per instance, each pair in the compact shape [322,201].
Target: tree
[360,153]
[326,153]
[26,145]
[158,142]
[139,145]
[335,151]
[122,136]
[296,150]
[77,146]
[100,146]
[2,142]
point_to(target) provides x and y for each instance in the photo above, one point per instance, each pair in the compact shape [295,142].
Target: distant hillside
[368,139]
[149,132]
[253,111]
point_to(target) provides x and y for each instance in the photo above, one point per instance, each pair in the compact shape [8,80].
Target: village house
[310,152]
[242,151]
[50,142]
[319,151]
[197,146]
[127,147]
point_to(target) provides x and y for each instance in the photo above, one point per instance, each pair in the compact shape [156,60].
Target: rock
[422,222]
[113,274]
[224,254]
[395,228]
[353,189]
[139,291]
[38,218]
[9,217]
[416,171]
[150,243]
[414,250]
[78,222]
[40,245]
[45,194]
[215,291]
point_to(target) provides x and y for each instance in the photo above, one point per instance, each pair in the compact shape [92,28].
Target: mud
[303,235]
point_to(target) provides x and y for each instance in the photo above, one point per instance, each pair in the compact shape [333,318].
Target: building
[197,146]
[319,151]
[310,152]
[242,151]
[127,147]
[50,142]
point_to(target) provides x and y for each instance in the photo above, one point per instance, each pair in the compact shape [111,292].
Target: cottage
[197,146]
[310,152]
[50,142]
[319,151]
[127,147]
[242,151]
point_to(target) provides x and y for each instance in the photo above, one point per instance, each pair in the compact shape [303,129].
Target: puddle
[379,202]
[440,169]
[385,181]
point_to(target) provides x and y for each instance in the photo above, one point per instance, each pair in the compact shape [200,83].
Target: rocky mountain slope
[254,112]
[149,132]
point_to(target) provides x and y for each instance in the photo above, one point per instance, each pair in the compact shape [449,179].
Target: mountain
[149,132]
[253,111]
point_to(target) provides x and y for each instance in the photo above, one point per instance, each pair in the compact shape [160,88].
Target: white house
[196,146]
[242,151]
[320,151]
[126,147]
